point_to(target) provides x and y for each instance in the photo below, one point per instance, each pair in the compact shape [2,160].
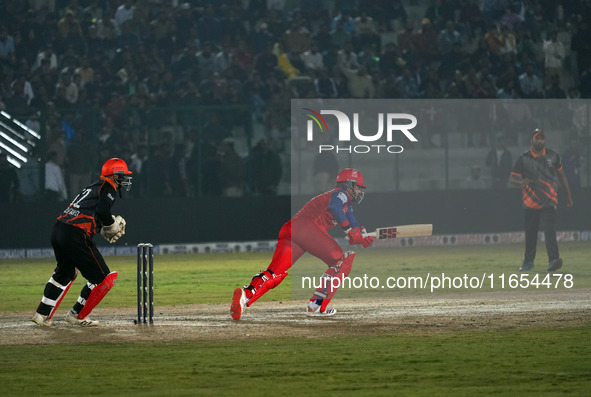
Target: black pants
[73,250]
[547,216]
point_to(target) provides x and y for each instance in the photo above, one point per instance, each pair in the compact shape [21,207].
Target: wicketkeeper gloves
[114,231]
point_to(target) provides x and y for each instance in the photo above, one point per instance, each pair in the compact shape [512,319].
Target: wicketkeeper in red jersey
[71,239]
[538,171]
[307,231]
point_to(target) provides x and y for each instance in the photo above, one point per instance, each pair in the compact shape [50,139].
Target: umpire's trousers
[547,217]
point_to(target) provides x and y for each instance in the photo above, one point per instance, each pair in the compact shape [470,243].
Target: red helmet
[349,178]
[118,168]
[351,175]
[115,166]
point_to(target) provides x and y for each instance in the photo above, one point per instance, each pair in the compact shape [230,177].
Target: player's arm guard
[115,230]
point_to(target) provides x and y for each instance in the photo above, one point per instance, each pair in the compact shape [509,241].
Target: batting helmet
[349,178]
[118,168]
[351,175]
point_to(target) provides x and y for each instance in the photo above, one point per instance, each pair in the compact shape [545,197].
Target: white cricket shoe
[314,310]
[85,322]
[42,320]
[238,303]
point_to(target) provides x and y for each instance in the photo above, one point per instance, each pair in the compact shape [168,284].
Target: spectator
[213,130]
[7,49]
[494,40]
[571,163]
[554,91]
[471,17]
[370,58]
[313,59]
[179,182]
[509,42]
[390,60]
[161,27]
[500,162]
[81,161]
[260,37]
[554,53]
[209,27]
[324,171]
[46,54]
[448,37]
[9,182]
[21,91]
[232,27]
[156,170]
[67,24]
[232,171]
[325,85]
[206,60]
[124,13]
[360,83]
[66,91]
[223,59]
[530,84]
[341,82]
[265,169]
[474,181]
[406,39]
[426,41]
[296,39]
[85,71]
[510,20]
[344,18]
[451,62]
[408,84]
[581,45]
[56,141]
[339,36]
[284,63]
[323,38]
[185,22]
[275,23]
[367,32]
[33,123]
[138,158]
[434,14]
[348,58]
[55,186]
[93,11]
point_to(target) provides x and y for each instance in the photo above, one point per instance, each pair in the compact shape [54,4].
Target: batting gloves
[367,241]
[354,235]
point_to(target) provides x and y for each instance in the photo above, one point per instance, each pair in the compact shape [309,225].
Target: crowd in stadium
[123,58]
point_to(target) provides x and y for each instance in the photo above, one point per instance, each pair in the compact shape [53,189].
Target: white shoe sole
[238,303]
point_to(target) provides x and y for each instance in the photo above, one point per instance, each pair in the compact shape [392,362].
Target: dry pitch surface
[355,317]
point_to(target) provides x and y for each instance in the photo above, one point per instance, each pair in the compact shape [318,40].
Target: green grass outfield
[539,361]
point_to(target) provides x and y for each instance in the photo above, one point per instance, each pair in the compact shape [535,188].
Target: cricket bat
[382,233]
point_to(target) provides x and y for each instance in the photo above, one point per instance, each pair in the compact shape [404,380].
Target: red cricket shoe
[238,303]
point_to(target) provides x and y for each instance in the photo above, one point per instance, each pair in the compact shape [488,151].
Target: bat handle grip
[372,234]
